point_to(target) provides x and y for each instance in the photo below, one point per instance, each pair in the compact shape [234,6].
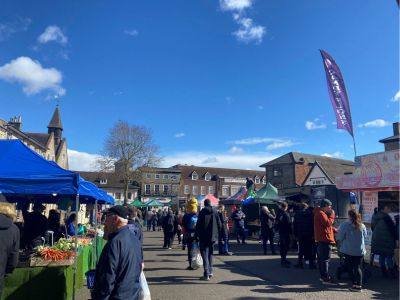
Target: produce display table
[88,254]
[43,282]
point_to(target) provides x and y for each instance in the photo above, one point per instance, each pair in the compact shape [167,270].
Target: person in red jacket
[324,216]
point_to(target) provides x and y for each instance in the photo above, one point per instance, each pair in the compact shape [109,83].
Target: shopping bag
[144,288]
[197,260]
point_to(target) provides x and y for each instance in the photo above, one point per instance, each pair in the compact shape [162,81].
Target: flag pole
[355,149]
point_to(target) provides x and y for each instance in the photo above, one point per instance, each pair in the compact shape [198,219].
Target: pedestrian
[178,227]
[169,228]
[71,223]
[284,227]
[134,222]
[120,264]
[384,240]
[207,228]
[189,221]
[352,235]
[9,241]
[223,237]
[54,224]
[303,228]
[324,217]
[155,219]
[149,220]
[267,219]
[238,217]
[35,225]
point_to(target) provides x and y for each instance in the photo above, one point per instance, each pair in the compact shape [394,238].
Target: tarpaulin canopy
[214,201]
[267,194]
[154,203]
[138,203]
[235,199]
[24,174]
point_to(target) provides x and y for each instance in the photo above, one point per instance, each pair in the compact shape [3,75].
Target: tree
[126,149]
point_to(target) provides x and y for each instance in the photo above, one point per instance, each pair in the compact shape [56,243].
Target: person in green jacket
[384,239]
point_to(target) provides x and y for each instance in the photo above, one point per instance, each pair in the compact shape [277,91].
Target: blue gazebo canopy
[24,174]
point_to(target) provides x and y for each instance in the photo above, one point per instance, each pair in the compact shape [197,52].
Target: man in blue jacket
[120,263]
[238,217]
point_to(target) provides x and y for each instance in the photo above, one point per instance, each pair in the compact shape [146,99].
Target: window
[195,190]
[157,189]
[147,189]
[279,185]
[173,177]
[195,176]
[129,196]
[165,176]
[211,190]
[257,180]
[166,189]
[157,176]
[264,180]
[234,189]
[186,190]
[207,177]
[174,188]
[148,176]
[117,196]
[203,190]
[277,172]
[225,190]
[103,181]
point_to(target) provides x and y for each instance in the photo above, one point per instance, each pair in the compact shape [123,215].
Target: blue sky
[230,83]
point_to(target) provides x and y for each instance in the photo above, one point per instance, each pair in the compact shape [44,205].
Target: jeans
[189,243]
[206,250]
[386,261]
[179,234]
[268,236]
[168,238]
[284,243]
[240,234]
[354,266]
[305,249]
[148,225]
[223,245]
[324,255]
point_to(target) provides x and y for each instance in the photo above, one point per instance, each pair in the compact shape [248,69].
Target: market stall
[26,176]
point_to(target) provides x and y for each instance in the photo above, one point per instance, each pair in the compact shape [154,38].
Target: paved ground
[245,275]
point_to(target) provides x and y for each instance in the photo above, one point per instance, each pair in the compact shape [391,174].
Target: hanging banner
[337,93]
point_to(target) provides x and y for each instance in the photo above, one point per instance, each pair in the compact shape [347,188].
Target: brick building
[159,183]
[300,176]
[220,182]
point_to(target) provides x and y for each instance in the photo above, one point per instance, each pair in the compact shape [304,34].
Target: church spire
[55,122]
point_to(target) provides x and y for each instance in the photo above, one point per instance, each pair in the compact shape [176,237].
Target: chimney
[16,122]
[396,128]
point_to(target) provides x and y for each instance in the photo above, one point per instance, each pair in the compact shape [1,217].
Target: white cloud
[378,123]
[133,32]
[280,144]
[32,76]
[82,161]
[310,125]
[235,5]
[255,141]
[248,32]
[396,98]
[222,160]
[10,28]
[179,135]
[336,154]
[236,150]
[53,33]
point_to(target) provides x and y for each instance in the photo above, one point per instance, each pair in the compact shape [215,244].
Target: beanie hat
[325,203]
[191,205]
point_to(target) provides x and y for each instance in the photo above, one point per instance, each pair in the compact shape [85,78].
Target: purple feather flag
[337,93]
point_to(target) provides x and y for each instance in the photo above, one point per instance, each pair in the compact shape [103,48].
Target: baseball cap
[325,203]
[120,211]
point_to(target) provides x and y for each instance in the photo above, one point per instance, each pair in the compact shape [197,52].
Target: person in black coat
[208,228]
[169,225]
[120,264]
[35,225]
[284,228]
[303,227]
[9,242]
[267,219]
[223,239]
